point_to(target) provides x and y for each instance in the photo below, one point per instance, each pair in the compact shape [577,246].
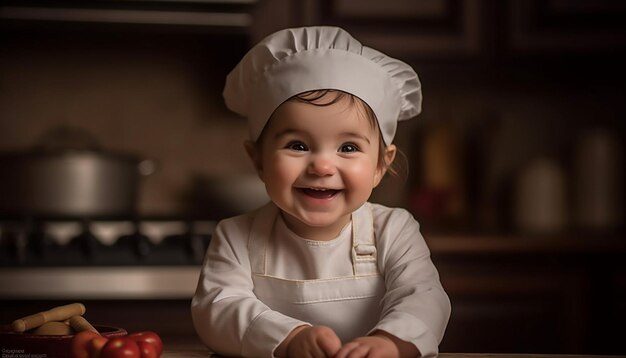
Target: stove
[101,259]
[31,243]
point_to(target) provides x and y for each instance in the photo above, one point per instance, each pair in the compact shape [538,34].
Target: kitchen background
[515,166]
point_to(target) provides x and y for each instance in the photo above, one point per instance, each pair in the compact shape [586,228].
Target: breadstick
[54,328]
[59,313]
[79,324]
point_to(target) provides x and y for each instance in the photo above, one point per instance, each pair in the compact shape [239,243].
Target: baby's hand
[370,347]
[378,345]
[314,342]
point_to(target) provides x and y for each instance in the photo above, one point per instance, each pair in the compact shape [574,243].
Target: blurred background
[118,156]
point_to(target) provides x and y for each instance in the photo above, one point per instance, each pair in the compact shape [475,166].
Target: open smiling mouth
[319,193]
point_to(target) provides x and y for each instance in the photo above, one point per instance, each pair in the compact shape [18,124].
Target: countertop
[197,351]
[179,282]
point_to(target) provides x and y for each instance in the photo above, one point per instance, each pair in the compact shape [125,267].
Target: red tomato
[147,350]
[120,347]
[149,337]
[78,345]
[95,345]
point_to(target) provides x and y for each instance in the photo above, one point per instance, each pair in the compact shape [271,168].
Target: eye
[349,148]
[297,146]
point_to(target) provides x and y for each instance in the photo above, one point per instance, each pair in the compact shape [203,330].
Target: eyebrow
[357,135]
[285,132]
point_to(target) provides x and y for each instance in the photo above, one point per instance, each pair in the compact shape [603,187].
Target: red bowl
[24,344]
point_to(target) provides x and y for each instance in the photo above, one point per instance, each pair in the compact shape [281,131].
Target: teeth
[322,189]
[320,193]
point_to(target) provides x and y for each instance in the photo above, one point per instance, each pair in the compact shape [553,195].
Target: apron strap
[262,225]
[364,253]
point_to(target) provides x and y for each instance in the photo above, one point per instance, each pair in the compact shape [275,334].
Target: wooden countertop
[197,351]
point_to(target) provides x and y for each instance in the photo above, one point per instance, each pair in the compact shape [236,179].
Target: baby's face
[319,164]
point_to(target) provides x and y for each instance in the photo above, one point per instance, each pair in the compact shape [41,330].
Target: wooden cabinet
[409,29]
[459,30]
[571,26]
[532,295]
[403,28]
[216,16]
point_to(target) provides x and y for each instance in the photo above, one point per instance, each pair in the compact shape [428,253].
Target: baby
[319,271]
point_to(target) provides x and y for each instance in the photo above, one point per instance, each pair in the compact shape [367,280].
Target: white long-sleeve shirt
[232,320]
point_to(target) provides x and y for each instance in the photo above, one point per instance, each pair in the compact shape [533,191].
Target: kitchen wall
[153,95]
[156,92]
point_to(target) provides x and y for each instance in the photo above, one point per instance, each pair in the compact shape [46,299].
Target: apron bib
[349,305]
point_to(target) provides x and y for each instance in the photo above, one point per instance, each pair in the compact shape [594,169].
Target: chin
[320,220]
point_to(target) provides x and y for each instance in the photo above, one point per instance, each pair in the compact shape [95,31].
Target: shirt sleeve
[415,308]
[226,314]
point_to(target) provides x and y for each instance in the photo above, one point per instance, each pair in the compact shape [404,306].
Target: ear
[389,156]
[255,156]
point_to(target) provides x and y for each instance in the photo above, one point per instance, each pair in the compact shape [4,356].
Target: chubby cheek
[361,177]
[279,175]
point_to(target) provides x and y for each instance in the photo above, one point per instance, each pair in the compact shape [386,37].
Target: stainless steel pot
[68,182]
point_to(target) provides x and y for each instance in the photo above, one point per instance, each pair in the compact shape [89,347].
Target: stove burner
[103,243]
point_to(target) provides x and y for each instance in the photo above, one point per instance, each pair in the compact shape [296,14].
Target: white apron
[350,305]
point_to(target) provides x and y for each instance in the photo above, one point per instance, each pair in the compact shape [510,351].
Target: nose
[321,165]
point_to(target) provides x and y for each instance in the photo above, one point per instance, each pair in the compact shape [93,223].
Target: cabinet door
[539,27]
[514,312]
[404,28]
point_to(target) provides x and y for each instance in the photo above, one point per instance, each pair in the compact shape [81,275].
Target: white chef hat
[293,61]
